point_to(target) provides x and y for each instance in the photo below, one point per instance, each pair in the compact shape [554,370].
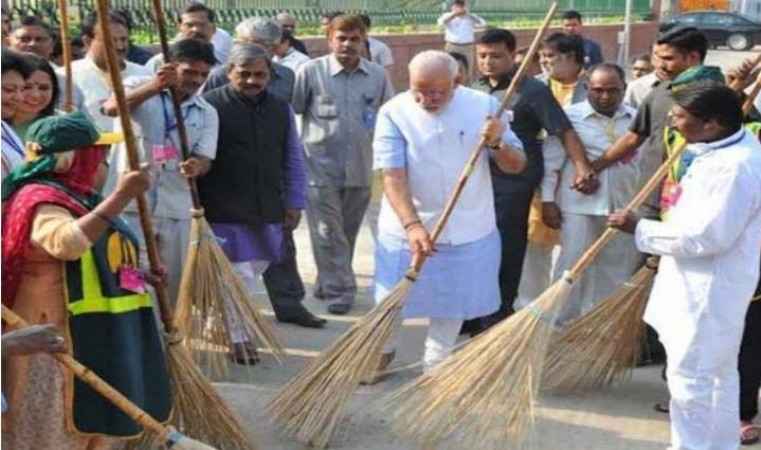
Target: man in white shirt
[155,127]
[638,89]
[197,21]
[459,26]
[709,265]
[378,51]
[91,73]
[598,121]
[285,55]
[423,139]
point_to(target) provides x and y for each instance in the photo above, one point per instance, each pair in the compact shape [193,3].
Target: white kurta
[708,271]
[585,216]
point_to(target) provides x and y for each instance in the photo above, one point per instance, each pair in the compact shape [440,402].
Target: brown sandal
[749,433]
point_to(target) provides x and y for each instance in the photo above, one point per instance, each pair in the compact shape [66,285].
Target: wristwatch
[590,176]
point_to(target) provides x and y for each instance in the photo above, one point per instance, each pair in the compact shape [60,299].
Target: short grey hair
[260,29]
[284,16]
[431,61]
[242,53]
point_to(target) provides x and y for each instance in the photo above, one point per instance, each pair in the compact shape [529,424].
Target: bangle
[496,146]
[412,223]
[101,216]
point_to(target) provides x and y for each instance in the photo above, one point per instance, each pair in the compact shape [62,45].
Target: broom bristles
[601,348]
[211,297]
[199,409]
[482,396]
[313,402]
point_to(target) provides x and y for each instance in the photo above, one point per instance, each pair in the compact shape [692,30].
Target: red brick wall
[404,46]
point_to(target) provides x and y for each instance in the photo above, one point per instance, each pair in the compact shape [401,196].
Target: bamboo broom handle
[636,202]
[134,162]
[748,104]
[68,92]
[476,153]
[97,383]
[181,130]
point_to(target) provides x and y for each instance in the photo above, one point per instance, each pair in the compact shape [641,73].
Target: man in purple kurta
[257,187]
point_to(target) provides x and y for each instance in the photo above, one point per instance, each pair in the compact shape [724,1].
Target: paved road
[619,419]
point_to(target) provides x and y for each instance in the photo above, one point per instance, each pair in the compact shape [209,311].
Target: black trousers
[283,283]
[750,360]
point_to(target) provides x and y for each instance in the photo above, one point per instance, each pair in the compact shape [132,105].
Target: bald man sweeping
[423,139]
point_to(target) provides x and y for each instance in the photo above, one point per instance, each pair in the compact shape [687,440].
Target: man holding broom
[155,127]
[709,264]
[422,141]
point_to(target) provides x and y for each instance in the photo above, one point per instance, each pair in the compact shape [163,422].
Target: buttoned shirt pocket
[325,108]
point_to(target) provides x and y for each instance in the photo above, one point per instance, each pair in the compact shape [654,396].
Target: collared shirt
[77,97]
[281,81]
[597,132]
[12,150]
[154,125]
[532,109]
[638,89]
[567,94]
[460,29]
[338,111]
[434,148]
[293,59]
[95,85]
[709,245]
[380,52]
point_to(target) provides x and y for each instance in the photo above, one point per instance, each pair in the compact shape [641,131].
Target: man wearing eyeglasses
[599,121]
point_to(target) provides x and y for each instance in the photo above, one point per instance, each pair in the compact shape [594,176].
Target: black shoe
[306,320]
[662,407]
[339,308]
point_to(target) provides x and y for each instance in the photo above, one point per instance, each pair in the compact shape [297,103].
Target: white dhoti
[250,273]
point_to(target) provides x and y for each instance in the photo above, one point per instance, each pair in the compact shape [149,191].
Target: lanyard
[8,140]
[169,124]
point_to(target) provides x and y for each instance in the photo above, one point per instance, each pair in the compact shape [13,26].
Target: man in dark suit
[572,24]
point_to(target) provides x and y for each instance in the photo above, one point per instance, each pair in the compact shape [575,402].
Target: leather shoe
[306,320]
[339,308]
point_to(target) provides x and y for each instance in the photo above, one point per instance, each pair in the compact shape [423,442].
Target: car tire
[739,42]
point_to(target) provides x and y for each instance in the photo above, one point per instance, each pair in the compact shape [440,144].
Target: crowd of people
[274,132]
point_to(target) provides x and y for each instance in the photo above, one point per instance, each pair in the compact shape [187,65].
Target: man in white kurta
[423,139]
[599,121]
[709,266]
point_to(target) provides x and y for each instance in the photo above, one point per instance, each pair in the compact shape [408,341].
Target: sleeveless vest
[245,183]
[114,333]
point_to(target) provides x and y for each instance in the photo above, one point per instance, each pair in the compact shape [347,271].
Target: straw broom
[168,436]
[198,408]
[600,348]
[211,295]
[483,395]
[315,400]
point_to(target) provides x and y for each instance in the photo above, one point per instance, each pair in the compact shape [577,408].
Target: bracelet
[496,146]
[101,216]
[412,223]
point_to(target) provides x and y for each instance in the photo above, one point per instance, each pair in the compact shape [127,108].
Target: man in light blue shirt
[423,139]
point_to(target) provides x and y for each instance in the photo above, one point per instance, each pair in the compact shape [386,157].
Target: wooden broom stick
[114,70]
[68,92]
[181,130]
[473,160]
[168,435]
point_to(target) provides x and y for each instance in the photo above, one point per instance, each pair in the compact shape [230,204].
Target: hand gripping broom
[198,409]
[168,436]
[483,395]
[211,295]
[315,400]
